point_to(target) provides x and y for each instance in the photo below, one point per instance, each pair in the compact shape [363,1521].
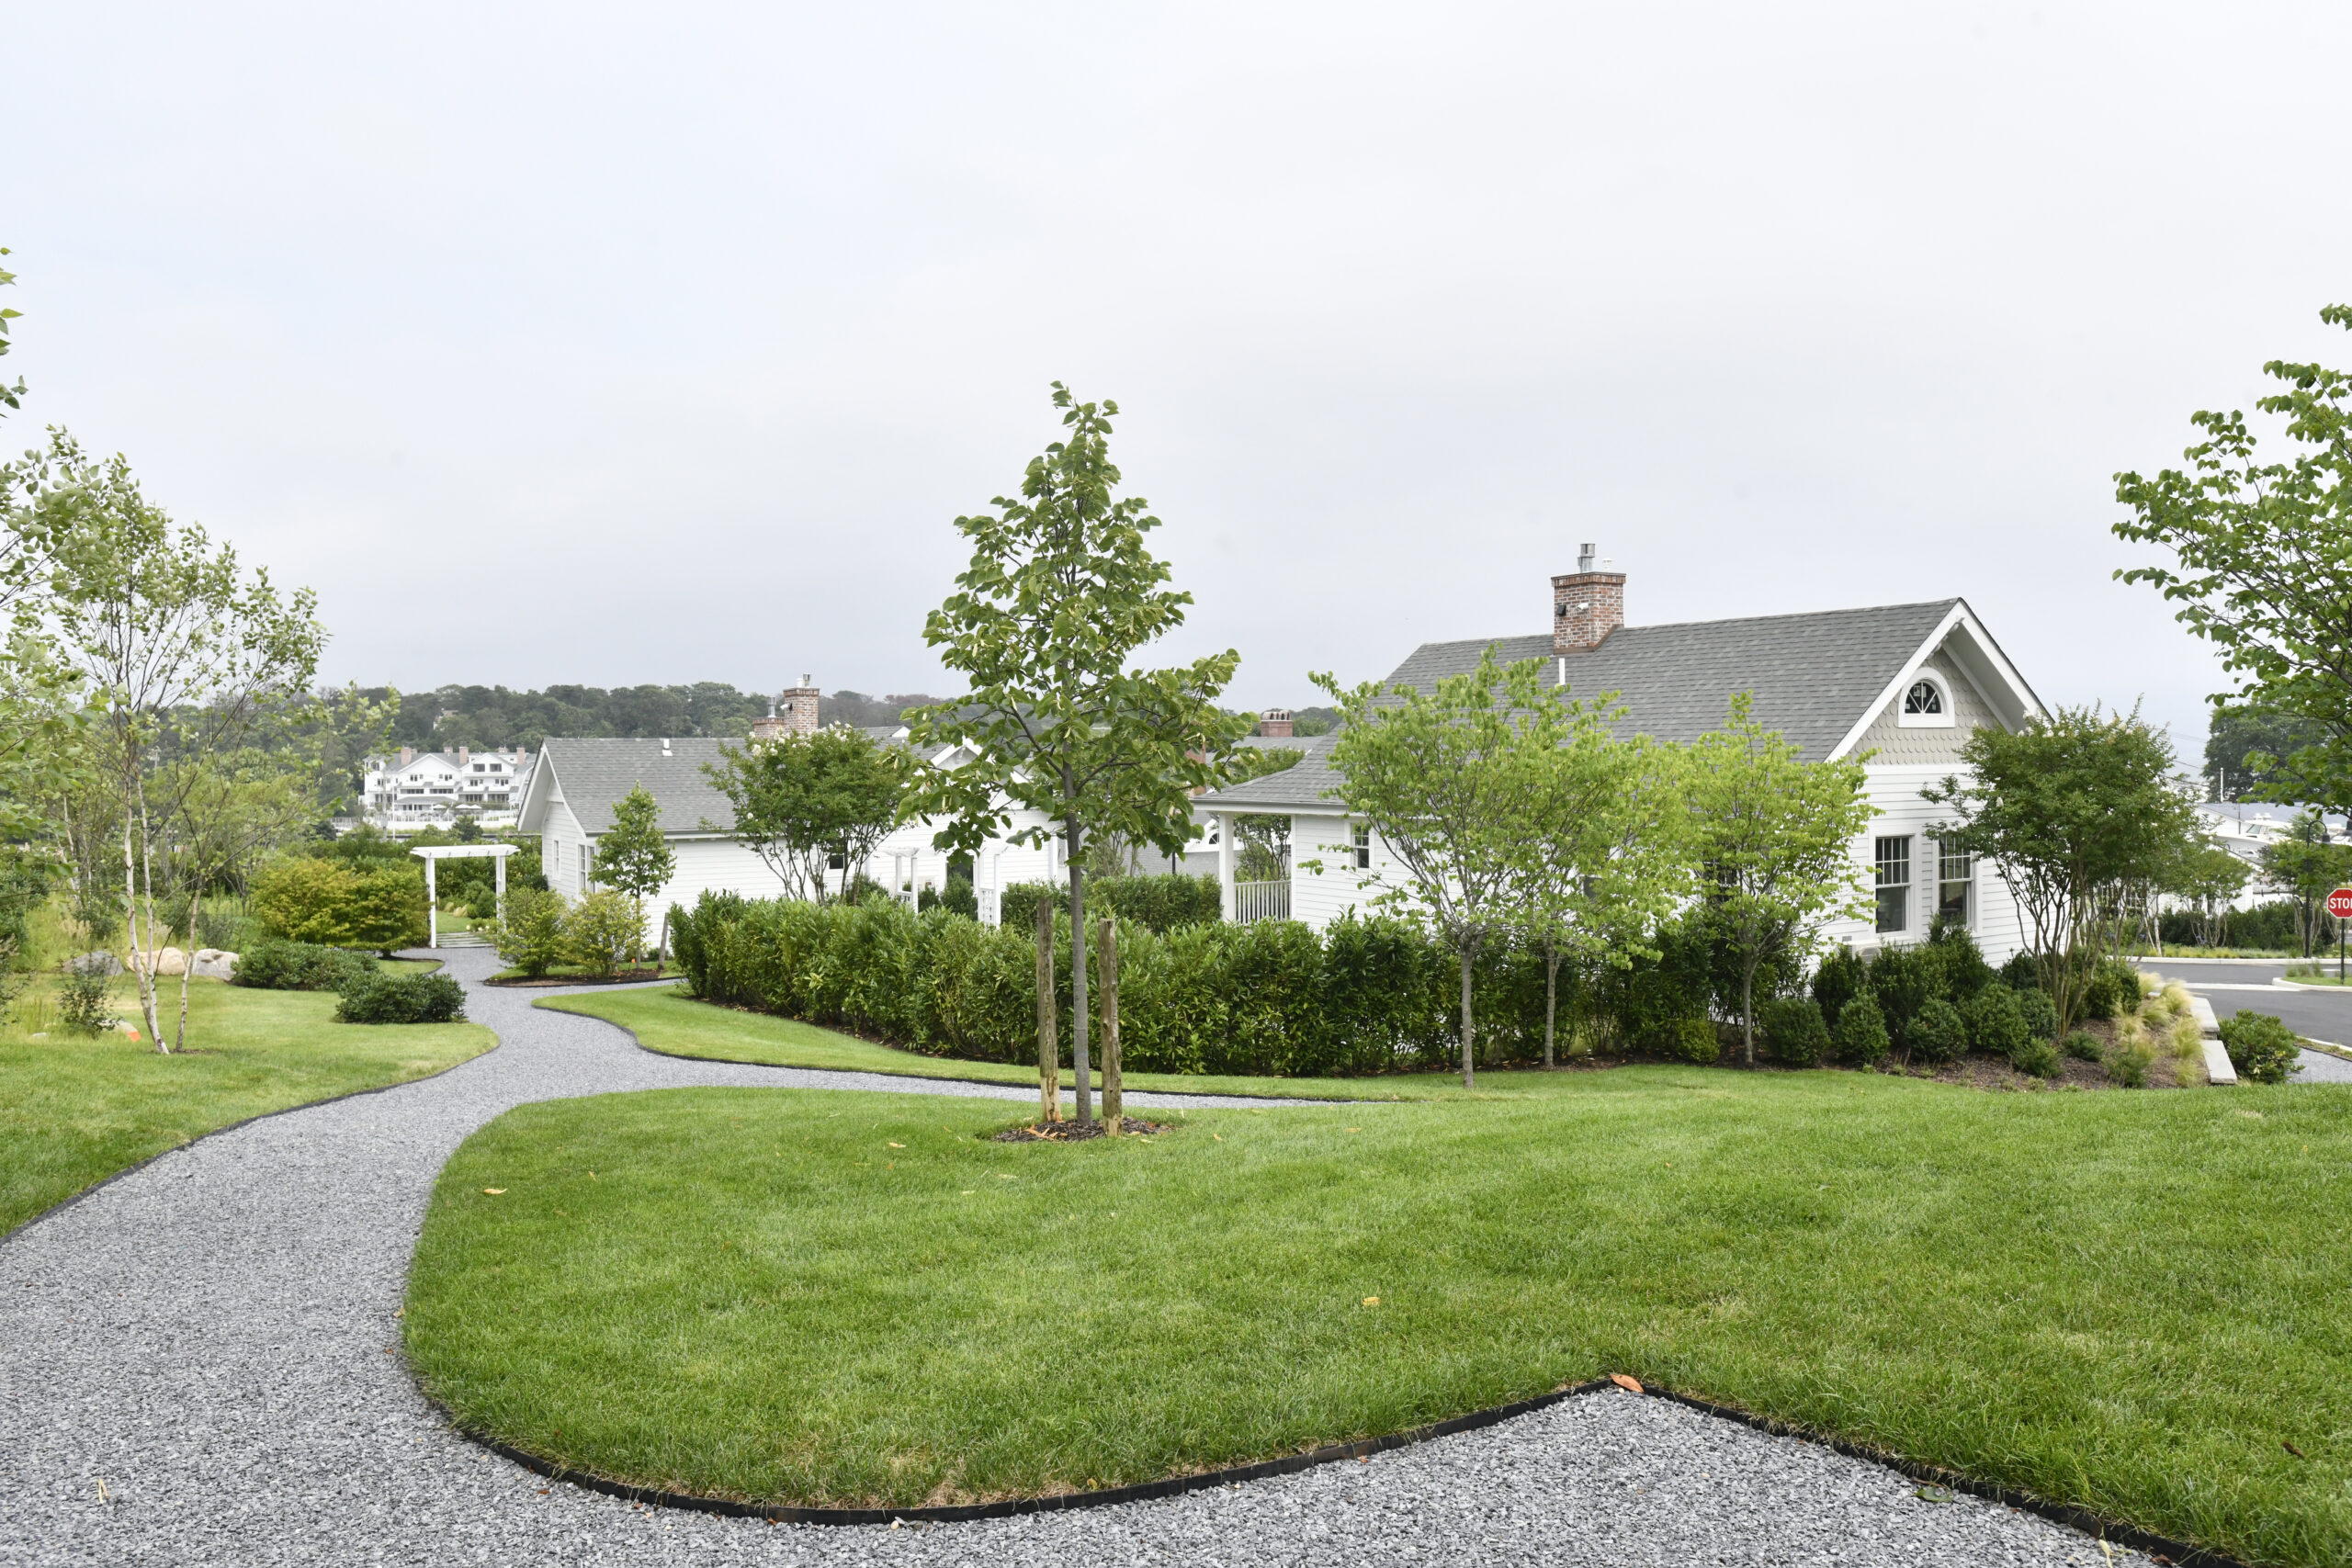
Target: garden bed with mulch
[1071,1133]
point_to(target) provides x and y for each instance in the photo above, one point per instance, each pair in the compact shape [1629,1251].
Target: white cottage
[576,784]
[1902,684]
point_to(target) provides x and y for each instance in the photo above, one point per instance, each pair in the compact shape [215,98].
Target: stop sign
[2339,903]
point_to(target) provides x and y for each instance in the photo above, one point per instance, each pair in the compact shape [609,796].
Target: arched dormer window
[1926,703]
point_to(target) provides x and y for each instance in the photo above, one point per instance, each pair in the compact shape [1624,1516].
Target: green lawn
[2127,1302]
[74,1111]
[672,1023]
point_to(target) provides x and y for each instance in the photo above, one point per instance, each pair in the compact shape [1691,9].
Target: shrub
[1936,1033]
[2114,989]
[1996,1022]
[83,995]
[1694,1040]
[603,929]
[379,997]
[274,966]
[960,899]
[2038,1058]
[1017,905]
[306,900]
[2083,1046]
[531,937]
[1901,982]
[2127,1063]
[1956,962]
[2020,974]
[1860,1035]
[1163,904]
[1841,978]
[1794,1031]
[2039,1013]
[2261,1048]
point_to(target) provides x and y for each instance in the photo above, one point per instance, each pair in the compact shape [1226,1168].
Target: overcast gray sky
[664,342]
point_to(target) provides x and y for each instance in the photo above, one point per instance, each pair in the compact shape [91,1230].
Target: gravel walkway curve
[197,1366]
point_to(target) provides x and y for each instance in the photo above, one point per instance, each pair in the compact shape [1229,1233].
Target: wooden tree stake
[1049,1056]
[1112,1108]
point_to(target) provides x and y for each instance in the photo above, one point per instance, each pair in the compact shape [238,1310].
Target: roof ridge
[1944,605]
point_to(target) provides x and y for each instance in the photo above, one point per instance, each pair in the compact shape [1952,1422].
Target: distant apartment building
[419,789]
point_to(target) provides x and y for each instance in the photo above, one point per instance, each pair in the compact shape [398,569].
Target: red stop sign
[2339,903]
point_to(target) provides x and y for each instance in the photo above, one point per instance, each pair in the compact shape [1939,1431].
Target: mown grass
[673,1022]
[74,1112]
[2129,1301]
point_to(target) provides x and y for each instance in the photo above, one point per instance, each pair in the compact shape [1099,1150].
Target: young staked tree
[807,803]
[1059,596]
[2306,865]
[1604,852]
[1442,777]
[2264,569]
[634,859]
[180,653]
[1775,839]
[2066,809]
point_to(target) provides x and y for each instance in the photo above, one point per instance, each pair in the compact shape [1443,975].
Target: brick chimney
[408,755]
[1274,722]
[794,712]
[464,755]
[1587,605]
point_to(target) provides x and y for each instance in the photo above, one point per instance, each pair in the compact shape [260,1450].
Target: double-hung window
[1955,887]
[1895,883]
[1363,848]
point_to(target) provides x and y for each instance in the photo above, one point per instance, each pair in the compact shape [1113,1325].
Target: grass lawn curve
[2124,1302]
[74,1111]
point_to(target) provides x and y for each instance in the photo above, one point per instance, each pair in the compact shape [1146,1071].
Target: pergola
[433,852]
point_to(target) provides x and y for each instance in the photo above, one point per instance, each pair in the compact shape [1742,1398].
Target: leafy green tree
[633,857]
[303,898]
[2306,867]
[10,396]
[601,930]
[2209,879]
[1060,594]
[1776,835]
[804,803]
[1443,778]
[2243,747]
[2265,567]
[2068,809]
[1603,852]
[530,936]
[180,652]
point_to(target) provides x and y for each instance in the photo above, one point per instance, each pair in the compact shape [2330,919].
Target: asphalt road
[2235,988]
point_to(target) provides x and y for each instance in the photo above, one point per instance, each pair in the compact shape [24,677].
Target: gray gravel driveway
[198,1365]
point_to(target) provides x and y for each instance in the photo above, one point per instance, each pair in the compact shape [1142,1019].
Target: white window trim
[1905,720]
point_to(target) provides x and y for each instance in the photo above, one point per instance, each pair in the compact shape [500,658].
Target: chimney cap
[1587,557]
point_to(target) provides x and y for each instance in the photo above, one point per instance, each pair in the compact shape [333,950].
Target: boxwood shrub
[1794,1031]
[401,998]
[2261,1048]
[272,964]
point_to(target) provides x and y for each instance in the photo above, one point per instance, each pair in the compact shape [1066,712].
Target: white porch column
[1224,860]
[500,875]
[432,904]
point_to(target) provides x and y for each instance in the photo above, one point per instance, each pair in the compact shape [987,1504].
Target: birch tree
[179,651]
[1059,596]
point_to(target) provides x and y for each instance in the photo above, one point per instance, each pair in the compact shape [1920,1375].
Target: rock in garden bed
[1071,1133]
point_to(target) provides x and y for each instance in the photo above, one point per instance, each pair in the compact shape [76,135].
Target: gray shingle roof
[1812,676]
[595,773]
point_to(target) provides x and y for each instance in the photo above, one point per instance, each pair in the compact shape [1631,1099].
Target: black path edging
[1141,1492]
[945,1078]
[2161,1548]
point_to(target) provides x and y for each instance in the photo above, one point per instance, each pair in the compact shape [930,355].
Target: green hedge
[1272,997]
[1160,903]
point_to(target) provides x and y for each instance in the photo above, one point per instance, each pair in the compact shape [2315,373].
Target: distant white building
[576,783]
[412,789]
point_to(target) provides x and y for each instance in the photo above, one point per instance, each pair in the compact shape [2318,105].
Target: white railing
[1260,901]
[991,906]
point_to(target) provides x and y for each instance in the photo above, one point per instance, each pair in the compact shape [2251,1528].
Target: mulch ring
[1071,1133]
[626,977]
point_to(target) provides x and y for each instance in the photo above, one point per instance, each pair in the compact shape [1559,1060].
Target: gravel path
[197,1366]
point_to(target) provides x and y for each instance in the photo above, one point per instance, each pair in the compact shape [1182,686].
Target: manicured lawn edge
[1016,1076]
[64,1204]
[2089,1523]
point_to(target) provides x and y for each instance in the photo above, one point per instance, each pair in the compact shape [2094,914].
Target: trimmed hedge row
[1269,998]
[1162,903]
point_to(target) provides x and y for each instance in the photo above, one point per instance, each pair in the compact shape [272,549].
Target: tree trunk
[1077,978]
[150,994]
[1468,1077]
[1114,1105]
[1551,997]
[1049,1057]
[1748,1010]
